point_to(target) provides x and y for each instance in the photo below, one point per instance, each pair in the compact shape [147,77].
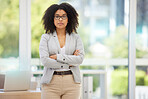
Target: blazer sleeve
[72,59]
[44,55]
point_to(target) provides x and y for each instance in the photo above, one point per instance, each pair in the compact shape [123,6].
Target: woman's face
[60,19]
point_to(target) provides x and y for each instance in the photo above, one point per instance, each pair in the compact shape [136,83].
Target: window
[9,35]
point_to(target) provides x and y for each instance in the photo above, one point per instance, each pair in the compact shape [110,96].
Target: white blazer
[49,45]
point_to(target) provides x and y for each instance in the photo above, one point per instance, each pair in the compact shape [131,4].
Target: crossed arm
[59,60]
[76,53]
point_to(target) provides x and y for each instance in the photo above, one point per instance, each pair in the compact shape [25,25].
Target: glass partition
[9,35]
[142,50]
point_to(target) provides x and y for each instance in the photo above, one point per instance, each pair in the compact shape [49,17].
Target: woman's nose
[60,19]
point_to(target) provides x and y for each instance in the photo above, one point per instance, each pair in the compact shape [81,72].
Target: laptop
[15,81]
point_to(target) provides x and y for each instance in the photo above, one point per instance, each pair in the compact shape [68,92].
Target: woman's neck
[61,32]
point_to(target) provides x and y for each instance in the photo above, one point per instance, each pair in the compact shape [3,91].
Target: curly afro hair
[48,18]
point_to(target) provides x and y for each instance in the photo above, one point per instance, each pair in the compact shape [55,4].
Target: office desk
[21,95]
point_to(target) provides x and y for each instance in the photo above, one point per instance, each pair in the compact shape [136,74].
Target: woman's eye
[64,17]
[56,16]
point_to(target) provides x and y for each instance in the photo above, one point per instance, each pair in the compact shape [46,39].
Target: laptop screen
[16,80]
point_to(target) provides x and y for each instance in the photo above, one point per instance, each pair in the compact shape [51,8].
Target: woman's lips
[60,23]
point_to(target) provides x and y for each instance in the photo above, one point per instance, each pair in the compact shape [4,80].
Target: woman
[61,52]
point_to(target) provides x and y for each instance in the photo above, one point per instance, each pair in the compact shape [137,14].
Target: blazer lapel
[57,41]
[67,43]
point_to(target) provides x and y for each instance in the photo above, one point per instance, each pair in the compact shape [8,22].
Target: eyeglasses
[62,17]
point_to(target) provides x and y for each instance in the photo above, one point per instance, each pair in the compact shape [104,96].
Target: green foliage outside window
[146,80]
[118,44]
[119,81]
[9,28]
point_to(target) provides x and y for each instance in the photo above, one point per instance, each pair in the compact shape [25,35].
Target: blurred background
[103,27]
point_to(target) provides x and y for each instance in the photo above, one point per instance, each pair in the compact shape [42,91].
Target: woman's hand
[53,57]
[76,53]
